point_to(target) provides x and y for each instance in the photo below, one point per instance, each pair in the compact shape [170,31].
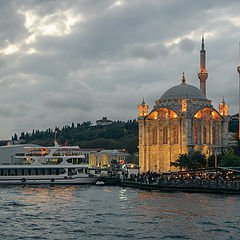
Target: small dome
[183,91]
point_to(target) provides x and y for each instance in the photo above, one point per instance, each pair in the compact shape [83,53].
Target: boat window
[29,171]
[19,172]
[74,161]
[5,172]
[60,160]
[41,171]
[34,171]
[54,171]
[1,173]
[62,171]
[48,171]
[25,171]
[80,170]
[70,171]
[11,172]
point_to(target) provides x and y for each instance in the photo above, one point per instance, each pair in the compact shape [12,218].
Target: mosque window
[165,135]
[195,134]
[204,135]
[176,134]
[155,136]
[184,105]
[213,135]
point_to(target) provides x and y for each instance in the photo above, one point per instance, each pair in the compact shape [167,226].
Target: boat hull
[24,180]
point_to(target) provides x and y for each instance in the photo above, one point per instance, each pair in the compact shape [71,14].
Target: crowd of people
[218,178]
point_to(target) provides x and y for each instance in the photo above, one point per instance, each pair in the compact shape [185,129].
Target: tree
[15,137]
[132,159]
[22,135]
[192,160]
[182,161]
[230,160]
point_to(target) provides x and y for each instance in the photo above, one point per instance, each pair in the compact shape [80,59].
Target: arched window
[176,134]
[213,135]
[165,135]
[155,135]
[204,135]
[195,134]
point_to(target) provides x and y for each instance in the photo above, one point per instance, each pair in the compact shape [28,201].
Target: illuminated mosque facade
[182,120]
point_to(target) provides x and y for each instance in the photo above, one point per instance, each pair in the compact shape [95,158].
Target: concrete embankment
[184,188]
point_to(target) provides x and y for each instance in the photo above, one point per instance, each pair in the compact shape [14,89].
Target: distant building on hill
[104,121]
[88,151]
[106,157]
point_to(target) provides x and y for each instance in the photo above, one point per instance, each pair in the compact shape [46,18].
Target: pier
[224,188]
[208,180]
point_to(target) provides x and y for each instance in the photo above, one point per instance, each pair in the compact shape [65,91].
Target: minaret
[223,108]
[238,69]
[203,75]
[142,110]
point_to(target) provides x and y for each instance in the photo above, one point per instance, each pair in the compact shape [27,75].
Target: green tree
[132,159]
[230,160]
[192,160]
[15,137]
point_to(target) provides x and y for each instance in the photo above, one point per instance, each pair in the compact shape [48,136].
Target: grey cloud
[146,51]
[187,45]
[112,59]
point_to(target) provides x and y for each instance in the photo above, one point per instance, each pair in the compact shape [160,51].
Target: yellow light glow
[142,110]
[184,105]
[173,114]
[198,115]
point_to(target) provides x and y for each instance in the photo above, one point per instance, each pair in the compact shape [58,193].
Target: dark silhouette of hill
[118,135]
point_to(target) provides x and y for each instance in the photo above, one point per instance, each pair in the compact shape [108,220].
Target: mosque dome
[183,91]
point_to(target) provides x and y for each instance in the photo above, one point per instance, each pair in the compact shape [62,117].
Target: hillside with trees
[118,135]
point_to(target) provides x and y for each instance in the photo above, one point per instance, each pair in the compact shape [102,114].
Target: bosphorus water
[113,212]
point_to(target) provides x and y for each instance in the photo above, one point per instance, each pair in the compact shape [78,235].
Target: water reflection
[182,212]
[93,212]
[41,196]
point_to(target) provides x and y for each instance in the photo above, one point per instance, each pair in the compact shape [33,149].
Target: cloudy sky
[65,61]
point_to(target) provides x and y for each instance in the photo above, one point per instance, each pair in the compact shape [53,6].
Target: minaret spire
[203,75]
[202,42]
[183,79]
[238,69]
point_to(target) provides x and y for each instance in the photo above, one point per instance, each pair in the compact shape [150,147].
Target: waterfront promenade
[200,187]
[212,180]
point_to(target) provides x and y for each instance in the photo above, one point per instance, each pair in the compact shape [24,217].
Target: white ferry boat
[51,165]
[46,174]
